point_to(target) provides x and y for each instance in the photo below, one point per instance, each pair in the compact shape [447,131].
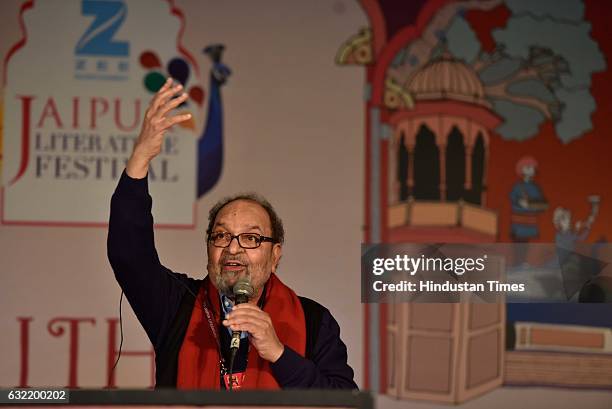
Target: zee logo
[98,54]
[98,39]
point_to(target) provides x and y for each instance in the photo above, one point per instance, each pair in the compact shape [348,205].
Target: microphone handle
[235,342]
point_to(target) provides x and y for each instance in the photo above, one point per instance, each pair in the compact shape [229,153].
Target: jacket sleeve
[328,368]
[153,291]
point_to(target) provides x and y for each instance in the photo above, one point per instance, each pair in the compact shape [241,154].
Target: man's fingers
[258,321]
[255,313]
[169,93]
[246,306]
[166,85]
[162,96]
[247,318]
[164,88]
[173,103]
[176,119]
[241,322]
[252,328]
[245,311]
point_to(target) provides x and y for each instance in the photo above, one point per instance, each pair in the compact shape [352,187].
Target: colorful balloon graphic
[148,59]
[179,70]
[196,93]
[153,81]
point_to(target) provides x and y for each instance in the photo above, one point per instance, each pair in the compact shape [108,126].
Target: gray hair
[278,231]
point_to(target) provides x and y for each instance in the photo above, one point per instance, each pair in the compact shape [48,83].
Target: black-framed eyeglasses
[245,240]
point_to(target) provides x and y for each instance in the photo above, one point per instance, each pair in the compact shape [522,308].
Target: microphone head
[243,290]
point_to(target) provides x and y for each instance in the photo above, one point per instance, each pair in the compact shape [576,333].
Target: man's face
[529,171]
[227,265]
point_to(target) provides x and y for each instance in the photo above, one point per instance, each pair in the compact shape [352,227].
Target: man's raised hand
[155,124]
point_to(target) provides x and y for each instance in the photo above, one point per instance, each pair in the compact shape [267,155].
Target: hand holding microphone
[250,318]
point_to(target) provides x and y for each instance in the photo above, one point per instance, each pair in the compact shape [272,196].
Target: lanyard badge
[236,380]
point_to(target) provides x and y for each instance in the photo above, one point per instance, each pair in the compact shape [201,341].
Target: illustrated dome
[447,78]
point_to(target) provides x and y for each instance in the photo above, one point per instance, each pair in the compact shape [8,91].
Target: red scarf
[198,362]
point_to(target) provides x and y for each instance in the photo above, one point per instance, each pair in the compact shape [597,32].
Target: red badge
[237,380]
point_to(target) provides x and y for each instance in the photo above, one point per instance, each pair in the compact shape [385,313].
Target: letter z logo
[98,39]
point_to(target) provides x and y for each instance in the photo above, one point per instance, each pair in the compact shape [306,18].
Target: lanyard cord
[213,330]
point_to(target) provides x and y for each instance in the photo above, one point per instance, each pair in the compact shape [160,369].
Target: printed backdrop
[79,74]
[75,93]
[361,121]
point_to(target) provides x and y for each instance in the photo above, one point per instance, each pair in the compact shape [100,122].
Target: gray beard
[227,290]
[223,287]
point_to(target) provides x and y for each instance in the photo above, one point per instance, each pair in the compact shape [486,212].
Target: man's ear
[277,253]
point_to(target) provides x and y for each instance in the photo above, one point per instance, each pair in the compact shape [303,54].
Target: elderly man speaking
[203,337]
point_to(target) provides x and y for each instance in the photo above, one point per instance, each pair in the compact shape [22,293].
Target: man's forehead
[246,213]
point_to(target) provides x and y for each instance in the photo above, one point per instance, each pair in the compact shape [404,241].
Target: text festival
[74,148]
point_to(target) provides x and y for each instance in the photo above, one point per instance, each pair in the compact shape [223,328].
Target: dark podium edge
[313,398]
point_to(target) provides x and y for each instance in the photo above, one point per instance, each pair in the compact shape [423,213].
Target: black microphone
[243,291]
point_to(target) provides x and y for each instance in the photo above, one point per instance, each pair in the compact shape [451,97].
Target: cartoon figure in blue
[527,202]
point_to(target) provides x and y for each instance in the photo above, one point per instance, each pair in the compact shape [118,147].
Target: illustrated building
[429,125]
[427,153]
[438,158]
